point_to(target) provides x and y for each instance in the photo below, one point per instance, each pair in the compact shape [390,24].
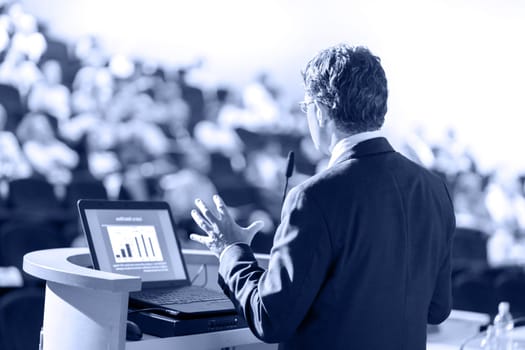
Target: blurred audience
[149,132]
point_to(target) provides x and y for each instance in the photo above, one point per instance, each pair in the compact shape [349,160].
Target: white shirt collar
[344,146]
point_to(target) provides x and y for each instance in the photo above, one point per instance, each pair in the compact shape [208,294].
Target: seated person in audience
[18,71]
[174,111]
[261,105]
[219,139]
[27,39]
[83,99]
[49,156]
[48,95]
[506,206]
[94,84]
[193,96]
[13,163]
[469,202]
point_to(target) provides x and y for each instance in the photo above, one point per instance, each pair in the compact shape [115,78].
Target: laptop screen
[138,242]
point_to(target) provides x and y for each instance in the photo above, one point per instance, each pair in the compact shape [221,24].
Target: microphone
[289,172]
[289,167]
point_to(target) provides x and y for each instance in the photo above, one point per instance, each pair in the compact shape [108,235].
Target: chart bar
[144,242]
[151,245]
[138,247]
[128,248]
[123,252]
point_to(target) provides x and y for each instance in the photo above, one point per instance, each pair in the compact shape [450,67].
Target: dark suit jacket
[361,259]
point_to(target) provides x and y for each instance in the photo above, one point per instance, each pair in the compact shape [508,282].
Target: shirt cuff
[228,247]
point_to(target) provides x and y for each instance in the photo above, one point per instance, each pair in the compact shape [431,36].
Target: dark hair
[352,84]
[222,94]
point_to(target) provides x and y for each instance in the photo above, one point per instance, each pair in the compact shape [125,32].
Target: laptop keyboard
[182,295]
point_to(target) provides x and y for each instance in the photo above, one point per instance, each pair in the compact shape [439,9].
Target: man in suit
[361,258]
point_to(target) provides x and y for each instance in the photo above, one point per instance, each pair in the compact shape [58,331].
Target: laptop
[138,238]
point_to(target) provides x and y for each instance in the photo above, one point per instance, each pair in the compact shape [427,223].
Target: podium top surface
[70,266]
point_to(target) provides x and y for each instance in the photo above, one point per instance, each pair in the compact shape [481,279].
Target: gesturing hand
[221,230]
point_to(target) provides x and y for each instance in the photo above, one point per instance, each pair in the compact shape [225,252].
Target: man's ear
[320,113]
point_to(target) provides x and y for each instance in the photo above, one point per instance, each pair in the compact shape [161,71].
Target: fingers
[221,207]
[199,220]
[255,227]
[206,213]
[199,239]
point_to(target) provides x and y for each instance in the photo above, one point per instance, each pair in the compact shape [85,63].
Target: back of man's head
[351,83]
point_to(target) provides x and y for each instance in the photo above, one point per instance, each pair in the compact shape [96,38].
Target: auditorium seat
[86,189]
[34,199]
[79,189]
[21,317]
[4,211]
[474,292]
[252,140]
[10,99]
[222,173]
[19,238]
[123,194]
[240,195]
[469,248]
[31,193]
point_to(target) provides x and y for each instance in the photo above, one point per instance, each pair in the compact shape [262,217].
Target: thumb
[255,227]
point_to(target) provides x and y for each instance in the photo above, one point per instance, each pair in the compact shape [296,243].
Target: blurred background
[176,100]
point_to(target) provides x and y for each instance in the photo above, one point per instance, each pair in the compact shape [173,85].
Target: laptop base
[164,326]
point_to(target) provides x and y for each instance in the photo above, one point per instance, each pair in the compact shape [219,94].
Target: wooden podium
[86,309]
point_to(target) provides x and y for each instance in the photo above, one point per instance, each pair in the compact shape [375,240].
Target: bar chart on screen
[134,243]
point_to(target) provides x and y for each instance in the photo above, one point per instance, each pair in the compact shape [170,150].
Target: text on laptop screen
[136,242]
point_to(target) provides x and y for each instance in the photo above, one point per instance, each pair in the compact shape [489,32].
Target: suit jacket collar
[366,148]
[343,146]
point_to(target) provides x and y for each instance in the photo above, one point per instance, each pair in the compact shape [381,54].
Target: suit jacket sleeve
[441,303]
[276,300]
